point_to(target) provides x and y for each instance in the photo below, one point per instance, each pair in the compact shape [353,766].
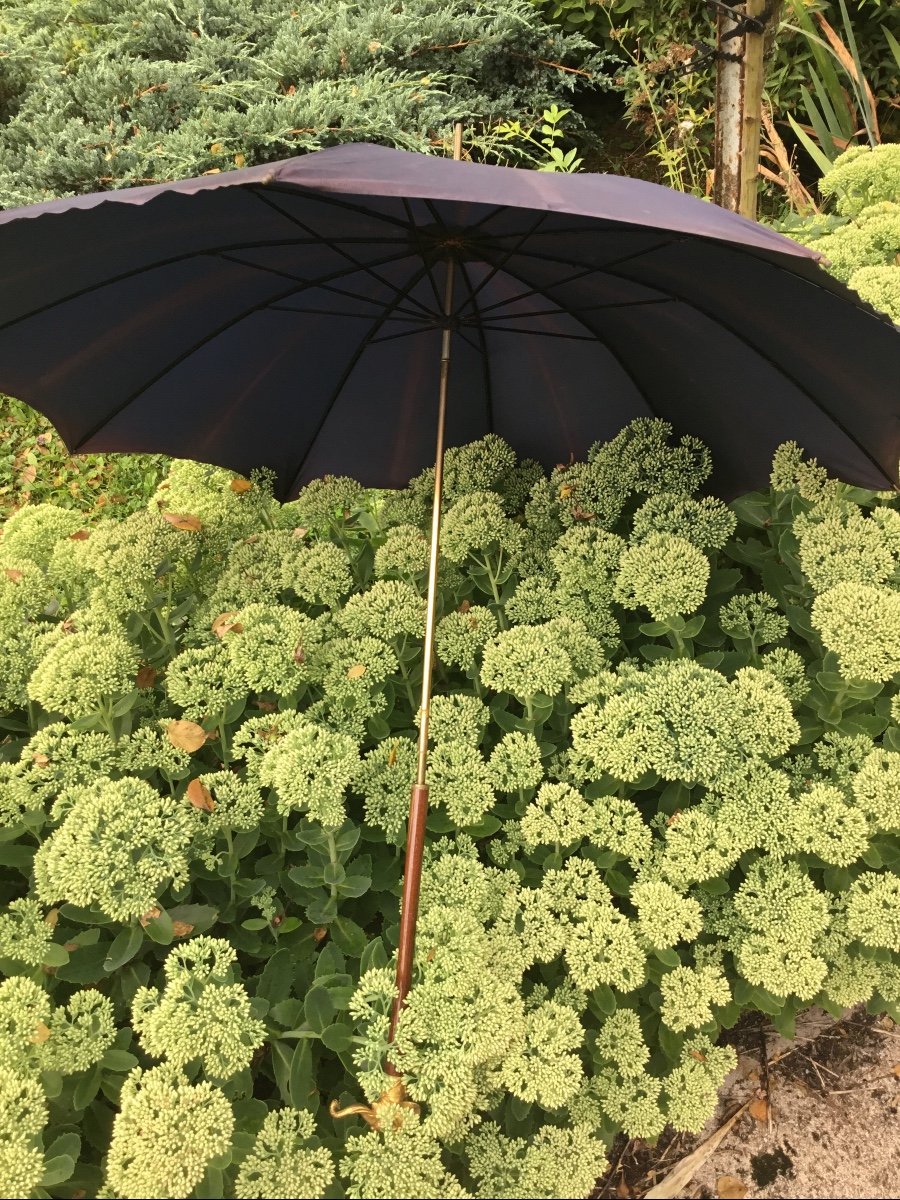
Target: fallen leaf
[299,656]
[150,915]
[300,532]
[186,735]
[623,1190]
[200,796]
[265,705]
[146,677]
[392,757]
[759,1109]
[729,1187]
[41,760]
[682,1173]
[29,475]
[181,929]
[80,535]
[40,1035]
[697,1054]
[183,521]
[239,486]
[52,918]
[566,491]
[319,933]
[12,574]
[216,148]
[356,671]
[895,1070]
[465,606]
[239,160]
[225,624]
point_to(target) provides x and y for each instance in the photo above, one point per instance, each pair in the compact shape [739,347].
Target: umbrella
[299,315]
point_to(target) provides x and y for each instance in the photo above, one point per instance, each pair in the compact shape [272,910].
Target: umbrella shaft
[418,805]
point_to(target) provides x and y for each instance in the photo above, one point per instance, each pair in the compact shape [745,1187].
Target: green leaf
[57,1170]
[211,1186]
[693,627]
[715,887]
[118,1060]
[159,929]
[350,937]
[337,1037]
[669,958]
[85,965]
[86,1088]
[373,956]
[277,977]
[201,916]
[300,1080]
[18,858]
[319,1008]
[333,873]
[603,999]
[125,946]
[66,1143]
[355,885]
[55,955]
[670,1042]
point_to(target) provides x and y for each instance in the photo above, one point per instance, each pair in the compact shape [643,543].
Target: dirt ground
[818,1119]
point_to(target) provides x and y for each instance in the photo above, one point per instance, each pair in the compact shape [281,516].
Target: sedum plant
[665,770]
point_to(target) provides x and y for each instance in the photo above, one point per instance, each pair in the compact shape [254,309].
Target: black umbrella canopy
[290,315]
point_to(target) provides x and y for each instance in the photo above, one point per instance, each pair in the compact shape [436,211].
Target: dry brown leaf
[12,574]
[181,929]
[216,148]
[566,491]
[29,475]
[465,606]
[40,1035]
[186,735]
[319,933]
[52,918]
[40,760]
[300,532]
[224,624]
[80,535]
[299,655]
[239,160]
[183,521]
[729,1187]
[356,671]
[849,64]
[150,915]
[698,1055]
[681,1175]
[265,705]
[200,796]
[239,486]
[895,1070]
[759,1109]
[146,677]
[623,1190]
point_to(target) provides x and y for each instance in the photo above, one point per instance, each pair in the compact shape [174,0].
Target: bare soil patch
[818,1120]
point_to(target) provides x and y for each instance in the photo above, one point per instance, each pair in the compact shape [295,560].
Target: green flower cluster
[663,768]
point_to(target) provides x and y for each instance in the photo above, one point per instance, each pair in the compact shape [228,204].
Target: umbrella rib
[716,319]
[562,312]
[324,198]
[507,255]
[325,287]
[485,357]
[414,319]
[348,371]
[333,245]
[411,219]
[210,337]
[781,370]
[210,251]
[623,367]
[580,274]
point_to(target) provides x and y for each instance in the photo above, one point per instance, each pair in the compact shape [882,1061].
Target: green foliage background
[108,93]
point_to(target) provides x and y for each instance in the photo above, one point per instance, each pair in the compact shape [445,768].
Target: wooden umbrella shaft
[418,805]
